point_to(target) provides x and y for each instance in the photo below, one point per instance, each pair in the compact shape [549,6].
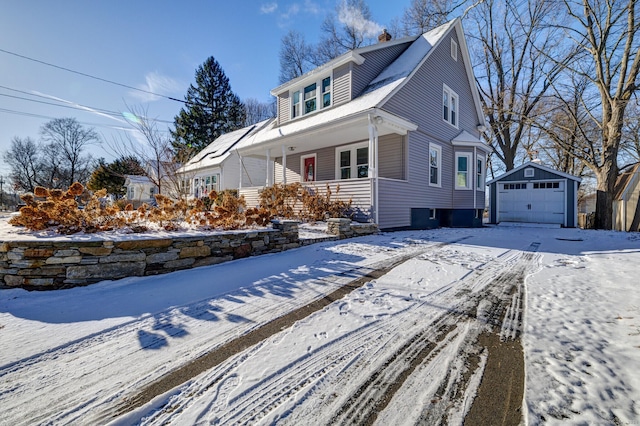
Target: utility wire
[47,117]
[75,106]
[92,76]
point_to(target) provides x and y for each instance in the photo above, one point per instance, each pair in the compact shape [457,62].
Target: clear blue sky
[154,45]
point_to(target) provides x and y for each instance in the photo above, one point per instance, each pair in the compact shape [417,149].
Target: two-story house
[396,125]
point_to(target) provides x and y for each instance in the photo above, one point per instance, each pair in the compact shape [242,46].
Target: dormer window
[311,98]
[295,105]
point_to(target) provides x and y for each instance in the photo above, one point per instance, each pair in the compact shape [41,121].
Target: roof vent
[385,36]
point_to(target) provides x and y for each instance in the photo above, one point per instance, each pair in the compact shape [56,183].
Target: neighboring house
[533,193]
[626,209]
[140,189]
[396,125]
[218,166]
[587,203]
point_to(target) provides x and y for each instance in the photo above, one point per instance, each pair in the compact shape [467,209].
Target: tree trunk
[606,177]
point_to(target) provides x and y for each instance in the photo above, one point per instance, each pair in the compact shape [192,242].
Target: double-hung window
[450,106]
[295,105]
[311,98]
[435,159]
[480,174]
[463,170]
[352,161]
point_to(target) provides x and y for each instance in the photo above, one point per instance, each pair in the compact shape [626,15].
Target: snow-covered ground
[78,356]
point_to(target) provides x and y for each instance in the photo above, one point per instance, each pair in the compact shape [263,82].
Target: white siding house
[219,167]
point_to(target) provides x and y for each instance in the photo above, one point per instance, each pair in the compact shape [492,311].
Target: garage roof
[536,166]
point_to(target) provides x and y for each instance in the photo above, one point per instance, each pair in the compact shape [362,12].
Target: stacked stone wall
[51,264]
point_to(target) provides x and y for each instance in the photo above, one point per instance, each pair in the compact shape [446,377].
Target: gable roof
[354,56]
[218,150]
[625,180]
[375,95]
[419,52]
[535,166]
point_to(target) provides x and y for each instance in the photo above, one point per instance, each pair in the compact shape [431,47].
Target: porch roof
[218,151]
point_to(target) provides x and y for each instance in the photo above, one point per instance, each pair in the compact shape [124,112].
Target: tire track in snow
[217,356]
[335,363]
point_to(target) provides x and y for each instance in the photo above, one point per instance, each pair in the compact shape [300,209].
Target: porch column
[240,166]
[268,180]
[373,165]
[284,164]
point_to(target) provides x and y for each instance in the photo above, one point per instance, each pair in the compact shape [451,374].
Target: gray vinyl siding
[374,63]
[395,203]
[342,84]
[420,100]
[284,108]
[391,156]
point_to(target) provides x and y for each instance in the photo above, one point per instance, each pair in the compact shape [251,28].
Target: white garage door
[539,202]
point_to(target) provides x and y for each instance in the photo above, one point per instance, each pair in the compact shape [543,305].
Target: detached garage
[534,193]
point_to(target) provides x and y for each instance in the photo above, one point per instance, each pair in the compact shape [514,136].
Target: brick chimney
[385,36]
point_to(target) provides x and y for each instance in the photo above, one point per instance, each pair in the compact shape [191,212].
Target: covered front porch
[349,156]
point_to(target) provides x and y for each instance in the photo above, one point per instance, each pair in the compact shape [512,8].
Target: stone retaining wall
[52,264]
[345,228]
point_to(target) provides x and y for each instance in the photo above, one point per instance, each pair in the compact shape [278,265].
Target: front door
[309,169]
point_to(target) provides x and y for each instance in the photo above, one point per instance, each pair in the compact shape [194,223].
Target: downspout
[373,166]
[240,167]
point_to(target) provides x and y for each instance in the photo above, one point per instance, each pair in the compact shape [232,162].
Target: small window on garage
[529,173]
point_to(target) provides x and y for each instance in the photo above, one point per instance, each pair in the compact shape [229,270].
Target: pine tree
[112,176]
[211,110]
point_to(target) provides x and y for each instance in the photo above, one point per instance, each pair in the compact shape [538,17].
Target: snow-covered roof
[217,151]
[391,79]
[137,180]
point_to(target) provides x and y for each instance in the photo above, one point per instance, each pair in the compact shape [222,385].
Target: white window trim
[529,172]
[454,50]
[470,170]
[319,96]
[354,167]
[315,172]
[482,185]
[450,96]
[439,149]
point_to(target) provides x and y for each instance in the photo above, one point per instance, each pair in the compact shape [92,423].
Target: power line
[46,117]
[92,76]
[79,107]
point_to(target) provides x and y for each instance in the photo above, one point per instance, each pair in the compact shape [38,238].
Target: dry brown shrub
[40,191]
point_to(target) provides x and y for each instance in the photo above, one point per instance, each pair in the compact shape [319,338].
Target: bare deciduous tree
[512,72]
[605,32]
[68,141]
[258,111]
[24,161]
[424,15]
[350,27]
[296,56]
[154,150]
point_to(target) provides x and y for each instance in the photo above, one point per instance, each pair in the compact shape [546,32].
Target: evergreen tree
[211,110]
[112,176]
